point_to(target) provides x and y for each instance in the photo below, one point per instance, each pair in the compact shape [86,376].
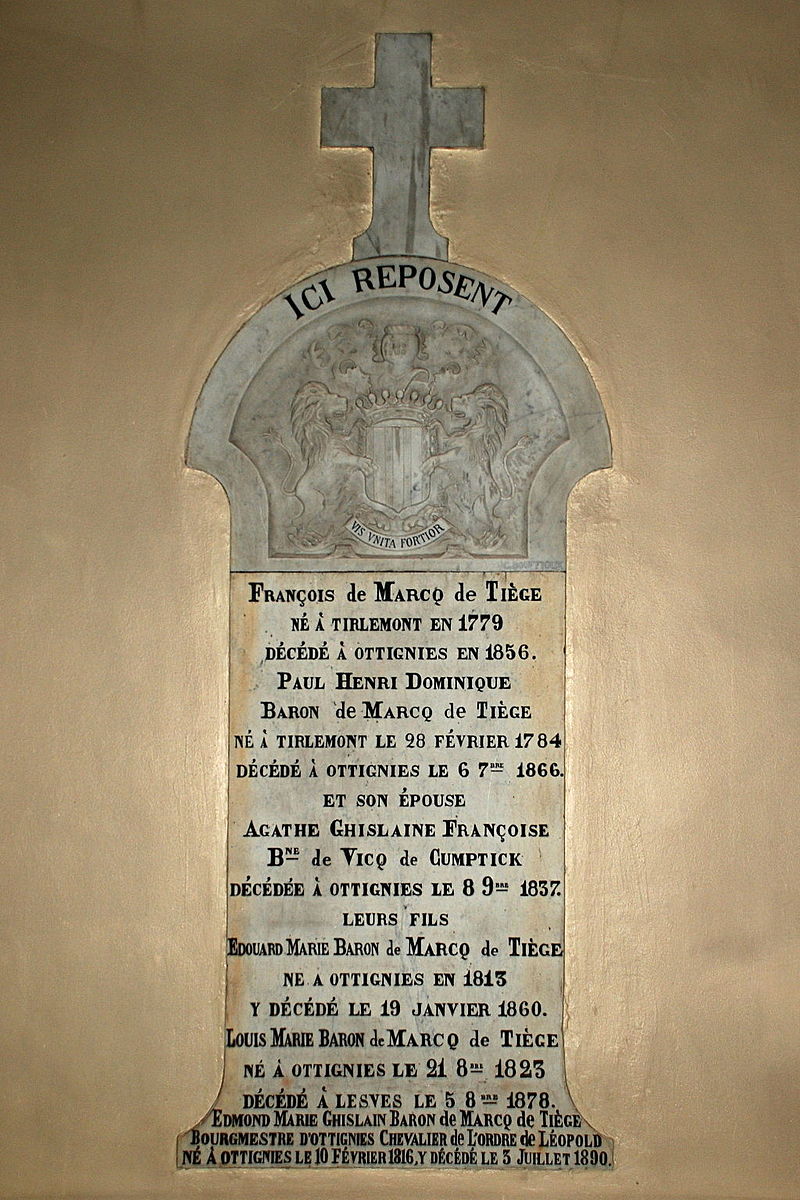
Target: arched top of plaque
[399,408]
[424,414]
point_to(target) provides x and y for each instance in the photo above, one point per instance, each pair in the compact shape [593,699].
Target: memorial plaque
[397,437]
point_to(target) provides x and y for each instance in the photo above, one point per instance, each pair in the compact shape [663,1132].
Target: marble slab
[398,438]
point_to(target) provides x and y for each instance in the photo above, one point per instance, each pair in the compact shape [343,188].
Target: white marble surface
[509,419]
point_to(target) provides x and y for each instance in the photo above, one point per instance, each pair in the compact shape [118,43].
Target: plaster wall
[162,179]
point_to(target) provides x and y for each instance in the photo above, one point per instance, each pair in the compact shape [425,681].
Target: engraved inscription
[395,938]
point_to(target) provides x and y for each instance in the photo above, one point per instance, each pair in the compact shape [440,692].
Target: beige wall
[161,179]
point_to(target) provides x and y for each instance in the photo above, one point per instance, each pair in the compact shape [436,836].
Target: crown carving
[415,403]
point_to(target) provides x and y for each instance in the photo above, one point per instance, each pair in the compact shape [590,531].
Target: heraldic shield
[399,448]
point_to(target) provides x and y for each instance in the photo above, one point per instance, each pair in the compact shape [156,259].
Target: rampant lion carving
[468,477]
[333,473]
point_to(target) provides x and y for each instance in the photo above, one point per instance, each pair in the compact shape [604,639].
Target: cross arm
[346,119]
[456,118]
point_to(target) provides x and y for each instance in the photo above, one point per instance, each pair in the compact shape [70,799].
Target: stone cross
[402,117]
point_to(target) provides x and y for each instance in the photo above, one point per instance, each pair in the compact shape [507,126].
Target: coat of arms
[401,435]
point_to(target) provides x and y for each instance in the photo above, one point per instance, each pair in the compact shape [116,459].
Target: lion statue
[332,474]
[465,477]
